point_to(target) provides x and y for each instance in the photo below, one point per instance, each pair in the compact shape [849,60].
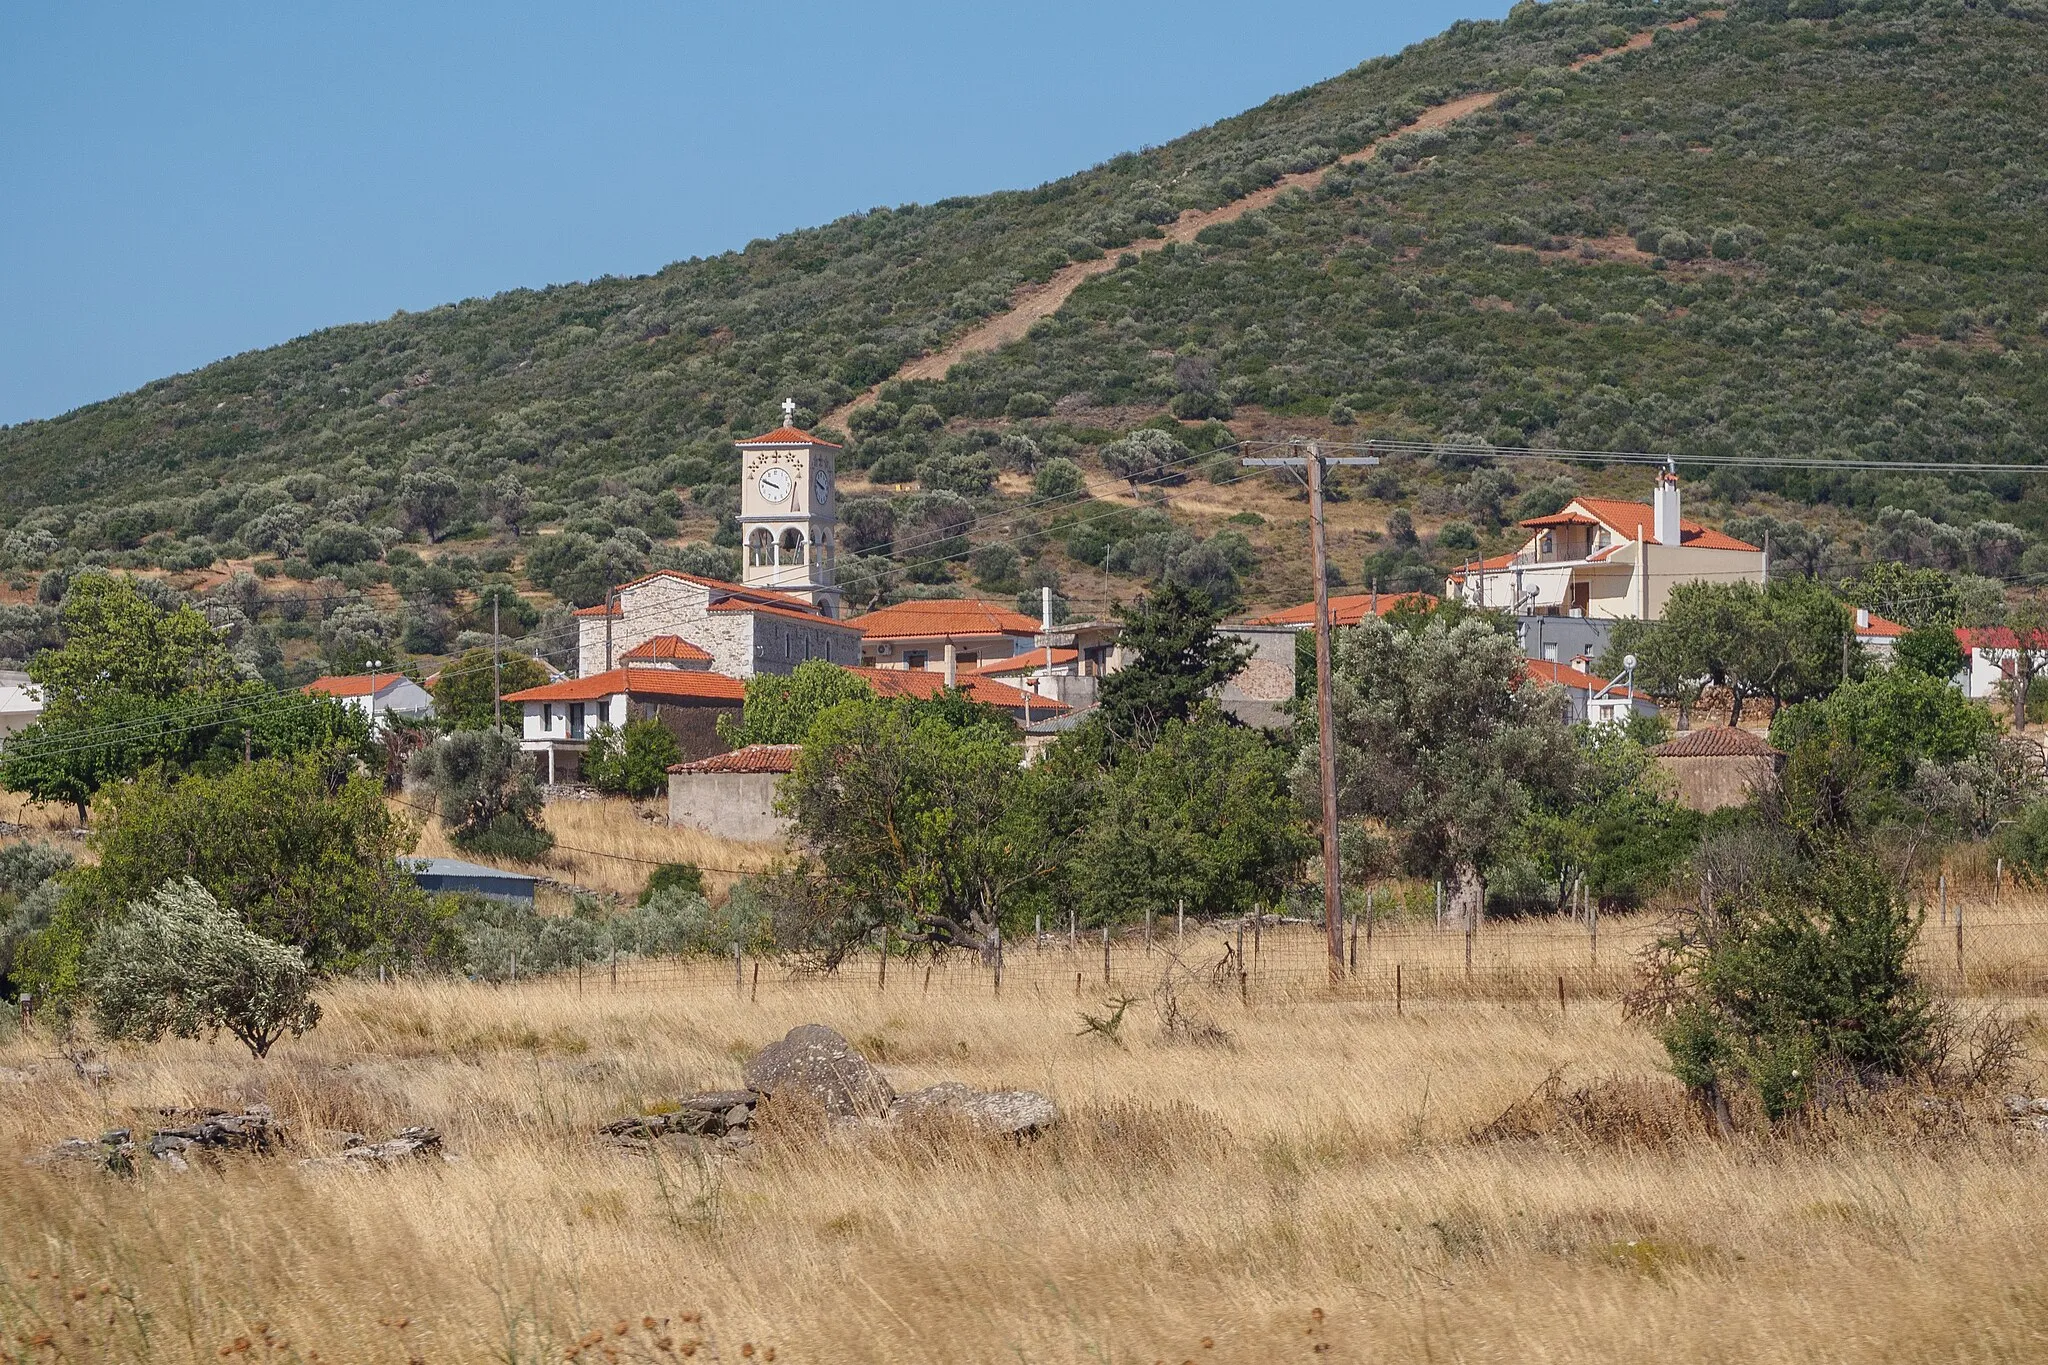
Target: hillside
[1811,235]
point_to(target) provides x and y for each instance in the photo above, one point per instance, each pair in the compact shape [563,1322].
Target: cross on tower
[789,412]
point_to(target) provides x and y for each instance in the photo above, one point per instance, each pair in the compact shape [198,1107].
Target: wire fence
[1981,946]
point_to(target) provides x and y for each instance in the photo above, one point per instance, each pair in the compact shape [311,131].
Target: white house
[557,719]
[1606,558]
[19,704]
[915,635]
[376,695]
[1593,700]
[1992,654]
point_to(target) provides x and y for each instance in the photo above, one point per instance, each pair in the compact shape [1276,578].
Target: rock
[403,1145]
[1011,1113]
[815,1061]
[256,1129]
[711,1114]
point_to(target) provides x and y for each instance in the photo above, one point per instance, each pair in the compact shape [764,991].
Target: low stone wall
[730,805]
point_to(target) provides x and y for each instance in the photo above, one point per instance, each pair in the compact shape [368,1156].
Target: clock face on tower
[774,484]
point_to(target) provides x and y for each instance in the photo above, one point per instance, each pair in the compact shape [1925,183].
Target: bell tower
[789,513]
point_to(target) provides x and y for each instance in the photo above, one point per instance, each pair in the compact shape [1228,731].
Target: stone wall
[695,725]
[1708,784]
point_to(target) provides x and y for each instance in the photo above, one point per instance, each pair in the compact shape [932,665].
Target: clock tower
[789,513]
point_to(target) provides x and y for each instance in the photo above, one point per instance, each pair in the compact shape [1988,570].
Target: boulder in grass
[815,1061]
[1008,1113]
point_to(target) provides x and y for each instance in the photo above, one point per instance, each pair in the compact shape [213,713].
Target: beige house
[1605,558]
[740,630]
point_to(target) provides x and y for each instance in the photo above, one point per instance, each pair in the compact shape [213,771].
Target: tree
[305,847]
[463,695]
[133,684]
[1855,756]
[780,709]
[633,760]
[1670,663]
[1788,642]
[1146,456]
[1178,659]
[1609,825]
[914,820]
[1914,597]
[1931,650]
[1440,736]
[1057,478]
[1203,818]
[2022,641]
[179,963]
[486,792]
[431,498]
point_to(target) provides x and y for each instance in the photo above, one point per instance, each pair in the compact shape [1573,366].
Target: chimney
[1863,618]
[1045,610]
[952,665]
[1664,502]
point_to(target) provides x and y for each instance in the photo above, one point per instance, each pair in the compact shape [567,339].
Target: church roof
[787,436]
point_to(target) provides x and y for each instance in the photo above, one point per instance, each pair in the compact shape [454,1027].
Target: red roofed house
[732,795]
[915,635]
[1605,558]
[394,694]
[1593,701]
[1022,706]
[1994,655]
[1347,609]
[560,717]
[741,631]
[1876,634]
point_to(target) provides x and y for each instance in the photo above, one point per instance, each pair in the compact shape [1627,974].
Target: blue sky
[185,182]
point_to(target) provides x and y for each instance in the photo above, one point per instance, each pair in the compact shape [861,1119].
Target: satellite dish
[1628,661]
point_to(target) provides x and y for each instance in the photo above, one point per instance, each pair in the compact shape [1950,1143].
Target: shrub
[673,877]
[1797,979]
[1028,404]
[342,543]
[632,761]
[897,466]
[485,789]
[1457,535]
[1058,478]
[180,963]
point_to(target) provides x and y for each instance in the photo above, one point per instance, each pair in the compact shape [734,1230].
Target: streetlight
[376,664]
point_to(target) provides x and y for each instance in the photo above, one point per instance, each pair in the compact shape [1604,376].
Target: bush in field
[180,963]
[485,789]
[673,877]
[1796,980]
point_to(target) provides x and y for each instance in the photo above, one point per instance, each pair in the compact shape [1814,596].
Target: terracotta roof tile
[667,647]
[812,618]
[717,585]
[755,758]
[937,617]
[916,682]
[787,436]
[1020,663]
[1878,628]
[1719,742]
[355,686]
[1563,675]
[678,683]
[1346,610]
[1628,519]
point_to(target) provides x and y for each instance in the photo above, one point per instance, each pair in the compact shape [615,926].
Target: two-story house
[915,635]
[376,695]
[1606,558]
[741,630]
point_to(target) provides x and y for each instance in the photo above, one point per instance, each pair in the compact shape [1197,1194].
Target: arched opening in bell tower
[792,547]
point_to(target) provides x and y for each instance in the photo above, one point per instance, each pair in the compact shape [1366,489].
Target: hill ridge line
[1033,302]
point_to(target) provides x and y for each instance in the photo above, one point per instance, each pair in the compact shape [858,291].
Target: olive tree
[181,963]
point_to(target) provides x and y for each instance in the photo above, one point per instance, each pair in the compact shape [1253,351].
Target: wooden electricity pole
[497,688]
[1312,461]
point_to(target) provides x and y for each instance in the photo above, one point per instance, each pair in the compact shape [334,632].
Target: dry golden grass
[611,845]
[1324,1160]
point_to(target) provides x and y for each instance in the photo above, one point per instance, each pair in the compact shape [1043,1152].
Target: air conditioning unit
[882,650]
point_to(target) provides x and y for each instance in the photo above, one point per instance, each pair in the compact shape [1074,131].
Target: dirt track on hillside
[1035,301]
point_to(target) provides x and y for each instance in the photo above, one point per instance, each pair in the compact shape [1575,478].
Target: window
[1550,653]
[761,548]
[575,720]
[917,658]
[547,717]
[967,658]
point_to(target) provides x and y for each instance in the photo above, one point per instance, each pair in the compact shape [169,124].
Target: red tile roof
[673,648]
[1997,637]
[717,585]
[924,683]
[1020,663]
[356,686]
[1630,519]
[1719,742]
[787,436]
[1485,566]
[809,618]
[680,684]
[935,618]
[1563,675]
[1346,610]
[1879,628]
[755,758]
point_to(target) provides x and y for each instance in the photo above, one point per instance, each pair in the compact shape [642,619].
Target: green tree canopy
[463,694]
[1440,736]
[486,792]
[1853,756]
[779,709]
[1179,658]
[631,760]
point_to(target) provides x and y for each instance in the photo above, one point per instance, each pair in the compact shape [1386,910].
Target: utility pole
[375,664]
[497,688]
[1312,461]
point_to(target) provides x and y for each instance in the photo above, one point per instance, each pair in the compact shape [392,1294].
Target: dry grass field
[1315,1188]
